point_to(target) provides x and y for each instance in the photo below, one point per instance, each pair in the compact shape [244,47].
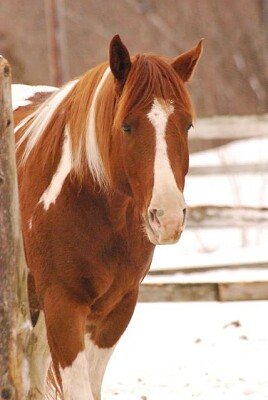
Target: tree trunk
[14,315]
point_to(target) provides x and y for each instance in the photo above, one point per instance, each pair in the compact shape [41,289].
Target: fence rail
[219,130]
[211,216]
[231,127]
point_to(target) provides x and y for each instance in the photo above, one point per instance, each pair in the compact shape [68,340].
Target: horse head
[149,146]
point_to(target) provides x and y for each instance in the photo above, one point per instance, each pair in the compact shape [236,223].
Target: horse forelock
[151,77]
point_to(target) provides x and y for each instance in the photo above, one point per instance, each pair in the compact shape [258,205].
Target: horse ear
[120,63]
[186,63]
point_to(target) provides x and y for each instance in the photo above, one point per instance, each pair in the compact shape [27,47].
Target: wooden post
[264,20]
[14,316]
[57,51]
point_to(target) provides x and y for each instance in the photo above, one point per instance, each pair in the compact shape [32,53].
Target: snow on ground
[204,351]
[238,152]
[212,247]
[21,93]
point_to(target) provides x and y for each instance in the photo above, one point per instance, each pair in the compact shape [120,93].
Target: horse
[101,170]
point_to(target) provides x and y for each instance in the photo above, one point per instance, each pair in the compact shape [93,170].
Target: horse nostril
[154,214]
[160,213]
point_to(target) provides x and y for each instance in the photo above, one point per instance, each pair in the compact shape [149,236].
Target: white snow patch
[248,189]
[22,93]
[198,350]
[241,151]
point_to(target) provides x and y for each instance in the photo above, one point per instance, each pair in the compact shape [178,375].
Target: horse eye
[126,128]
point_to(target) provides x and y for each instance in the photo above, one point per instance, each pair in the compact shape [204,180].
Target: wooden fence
[219,130]
[211,133]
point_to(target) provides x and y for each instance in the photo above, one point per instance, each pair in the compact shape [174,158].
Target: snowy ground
[205,351]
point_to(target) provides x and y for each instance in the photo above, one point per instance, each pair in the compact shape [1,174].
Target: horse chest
[118,267]
[110,237]
[87,251]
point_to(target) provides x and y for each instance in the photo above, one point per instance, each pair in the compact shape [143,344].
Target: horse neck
[82,106]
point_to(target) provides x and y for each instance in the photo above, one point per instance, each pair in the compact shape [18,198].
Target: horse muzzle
[164,226]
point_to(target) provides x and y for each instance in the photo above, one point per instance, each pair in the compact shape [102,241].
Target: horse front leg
[101,342]
[97,360]
[65,321]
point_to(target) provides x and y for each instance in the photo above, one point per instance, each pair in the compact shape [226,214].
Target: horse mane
[44,129]
[35,124]
[89,108]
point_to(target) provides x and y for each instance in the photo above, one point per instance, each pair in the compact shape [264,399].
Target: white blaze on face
[164,181]
[52,192]
[158,116]
[167,200]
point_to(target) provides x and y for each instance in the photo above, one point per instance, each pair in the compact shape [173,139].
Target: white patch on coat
[39,359]
[93,155]
[165,191]
[40,119]
[22,93]
[65,165]
[97,359]
[75,380]
[83,379]
[30,223]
